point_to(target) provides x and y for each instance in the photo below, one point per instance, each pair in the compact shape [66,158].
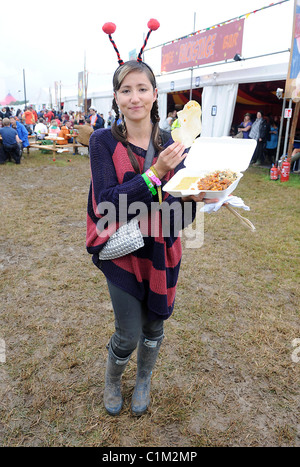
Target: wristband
[154,171]
[150,174]
[149,184]
[156,180]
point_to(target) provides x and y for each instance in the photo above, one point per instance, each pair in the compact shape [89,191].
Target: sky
[51,41]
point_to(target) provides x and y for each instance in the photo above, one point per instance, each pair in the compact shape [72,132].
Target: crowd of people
[16,127]
[264,129]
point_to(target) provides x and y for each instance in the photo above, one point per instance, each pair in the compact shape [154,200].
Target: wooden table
[52,148]
[53,138]
[74,144]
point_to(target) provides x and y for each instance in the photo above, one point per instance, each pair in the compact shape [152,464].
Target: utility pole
[85,85]
[24,86]
[191,89]
[60,96]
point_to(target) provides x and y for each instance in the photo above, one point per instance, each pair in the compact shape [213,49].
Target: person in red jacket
[49,116]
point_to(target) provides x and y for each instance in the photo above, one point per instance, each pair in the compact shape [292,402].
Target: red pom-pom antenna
[153,25]
[109,28]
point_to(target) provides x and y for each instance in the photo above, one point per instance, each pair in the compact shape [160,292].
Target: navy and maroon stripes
[150,273]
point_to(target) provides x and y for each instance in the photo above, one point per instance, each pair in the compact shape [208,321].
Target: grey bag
[125,240]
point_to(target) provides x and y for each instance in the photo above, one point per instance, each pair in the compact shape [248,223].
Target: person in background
[29,120]
[19,114]
[259,133]
[95,119]
[110,119]
[79,118]
[41,129]
[65,117]
[245,126]
[54,128]
[10,143]
[272,142]
[72,116]
[22,133]
[35,115]
[5,112]
[40,114]
[102,116]
[65,133]
[167,124]
[49,115]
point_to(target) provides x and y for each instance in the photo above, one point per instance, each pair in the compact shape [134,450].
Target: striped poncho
[150,274]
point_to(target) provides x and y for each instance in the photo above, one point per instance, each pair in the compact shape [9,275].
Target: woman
[259,133]
[167,124]
[272,142]
[245,126]
[142,284]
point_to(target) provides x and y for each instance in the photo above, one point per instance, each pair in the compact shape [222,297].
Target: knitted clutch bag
[125,240]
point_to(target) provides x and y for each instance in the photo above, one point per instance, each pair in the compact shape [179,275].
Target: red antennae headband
[109,28]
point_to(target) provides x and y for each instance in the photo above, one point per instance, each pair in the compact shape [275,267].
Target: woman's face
[258,115]
[136,96]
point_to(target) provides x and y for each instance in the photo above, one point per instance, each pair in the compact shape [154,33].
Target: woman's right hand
[169,158]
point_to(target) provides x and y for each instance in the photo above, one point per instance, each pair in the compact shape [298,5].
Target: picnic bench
[56,148]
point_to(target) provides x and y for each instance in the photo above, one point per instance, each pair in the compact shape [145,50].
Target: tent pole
[287,130]
[191,89]
[280,130]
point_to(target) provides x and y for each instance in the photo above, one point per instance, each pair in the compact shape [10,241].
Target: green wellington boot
[115,367]
[146,358]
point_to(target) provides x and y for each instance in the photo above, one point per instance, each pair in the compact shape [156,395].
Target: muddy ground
[228,371]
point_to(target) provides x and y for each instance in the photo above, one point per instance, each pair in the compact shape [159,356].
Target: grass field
[228,371]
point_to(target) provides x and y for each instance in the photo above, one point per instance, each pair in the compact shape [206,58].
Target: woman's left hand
[199,198]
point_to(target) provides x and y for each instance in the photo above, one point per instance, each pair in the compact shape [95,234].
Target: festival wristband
[150,174]
[149,184]
[154,171]
[158,185]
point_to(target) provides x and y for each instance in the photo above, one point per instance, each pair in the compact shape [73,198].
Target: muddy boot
[146,357]
[112,393]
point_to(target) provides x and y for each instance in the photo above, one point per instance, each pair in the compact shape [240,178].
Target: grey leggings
[131,322]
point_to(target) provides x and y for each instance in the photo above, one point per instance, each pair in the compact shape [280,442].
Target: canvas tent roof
[8,100]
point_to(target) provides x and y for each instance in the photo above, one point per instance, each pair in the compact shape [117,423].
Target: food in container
[207,156]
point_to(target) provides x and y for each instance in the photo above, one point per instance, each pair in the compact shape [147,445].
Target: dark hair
[120,131]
